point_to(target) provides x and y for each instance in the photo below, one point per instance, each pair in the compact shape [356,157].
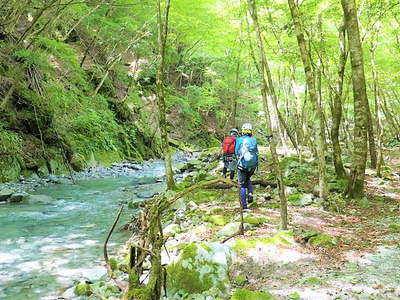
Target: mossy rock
[216,210]
[230,229]
[283,238]
[312,281]
[194,164]
[200,267]
[243,294]
[306,235]
[300,199]
[83,289]
[18,197]
[218,220]
[240,280]
[5,194]
[255,220]
[395,227]
[294,296]
[323,240]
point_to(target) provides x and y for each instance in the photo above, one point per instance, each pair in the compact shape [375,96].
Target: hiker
[246,151]
[228,153]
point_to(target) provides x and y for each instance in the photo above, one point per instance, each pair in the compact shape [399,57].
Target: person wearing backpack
[246,151]
[228,153]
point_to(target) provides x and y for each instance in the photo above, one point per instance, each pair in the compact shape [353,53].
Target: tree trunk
[270,100]
[318,117]
[371,138]
[356,183]
[160,87]
[337,105]
[379,125]
[236,94]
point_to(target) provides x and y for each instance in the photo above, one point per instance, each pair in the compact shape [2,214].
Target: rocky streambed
[52,230]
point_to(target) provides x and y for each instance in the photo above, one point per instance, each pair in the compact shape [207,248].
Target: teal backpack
[248,153]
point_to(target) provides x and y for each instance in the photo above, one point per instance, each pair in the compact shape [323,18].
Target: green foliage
[93,130]
[66,60]
[33,58]
[336,202]
[10,142]
[338,185]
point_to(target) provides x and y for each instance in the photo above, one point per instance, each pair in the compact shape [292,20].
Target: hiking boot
[250,198]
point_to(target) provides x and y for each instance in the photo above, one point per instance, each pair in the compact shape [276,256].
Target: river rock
[18,197]
[200,267]
[146,194]
[144,180]
[33,199]
[193,164]
[69,293]
[5,194]
[231,228]
[171,230]
[192,205]
[179,204]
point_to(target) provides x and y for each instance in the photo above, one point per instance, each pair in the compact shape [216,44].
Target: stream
[47,247]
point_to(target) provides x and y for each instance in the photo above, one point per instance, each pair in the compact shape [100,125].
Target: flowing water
[46,247]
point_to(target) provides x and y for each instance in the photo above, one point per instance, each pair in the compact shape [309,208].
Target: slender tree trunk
[337,105]
[269,100]
[371,138]
[236,94]
[318,113]
[379,127]
[356,184]
[160,86]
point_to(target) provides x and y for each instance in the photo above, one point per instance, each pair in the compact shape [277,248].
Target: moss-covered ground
[324,254]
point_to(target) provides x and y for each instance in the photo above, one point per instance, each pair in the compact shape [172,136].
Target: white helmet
[247,126]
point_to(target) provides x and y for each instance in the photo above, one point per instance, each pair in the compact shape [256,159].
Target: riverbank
[116,170]
[54,239]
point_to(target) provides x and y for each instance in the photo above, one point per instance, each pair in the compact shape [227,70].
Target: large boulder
[18,197]
[34,199]
[230,229]
[5,194]
[200,267]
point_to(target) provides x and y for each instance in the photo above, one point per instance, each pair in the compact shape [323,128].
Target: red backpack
[228,145]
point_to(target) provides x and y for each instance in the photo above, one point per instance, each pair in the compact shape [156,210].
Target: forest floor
[360,258]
